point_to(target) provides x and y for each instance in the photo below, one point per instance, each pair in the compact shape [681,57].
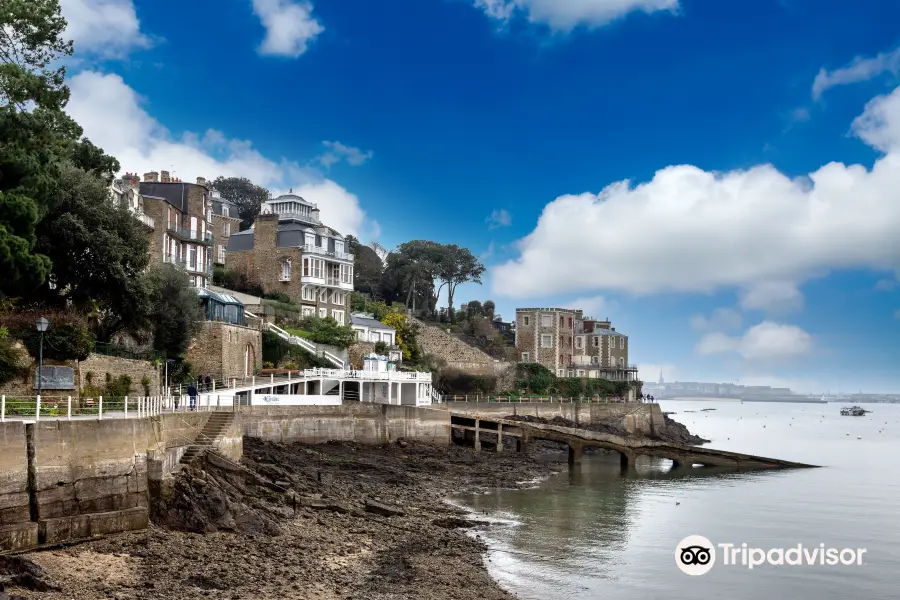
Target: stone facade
[458,354]
[266,263]
[225,221]
[222,350]
[570,345]
[100,365]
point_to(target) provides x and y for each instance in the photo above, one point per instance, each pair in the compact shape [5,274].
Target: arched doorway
[249,361]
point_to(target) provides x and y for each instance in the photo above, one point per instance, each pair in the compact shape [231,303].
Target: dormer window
[338,246]
[286,269]
[224,211]
[310,239]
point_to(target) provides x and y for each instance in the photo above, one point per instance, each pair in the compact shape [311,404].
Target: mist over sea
[596,533]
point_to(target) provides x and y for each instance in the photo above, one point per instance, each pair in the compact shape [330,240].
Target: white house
[369,329]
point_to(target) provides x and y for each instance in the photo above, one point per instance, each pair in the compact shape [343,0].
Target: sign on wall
[294,400]
[56,378]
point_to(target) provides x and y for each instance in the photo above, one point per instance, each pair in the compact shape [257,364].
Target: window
[374,336]
[192,258]
[621,342]
[338,246]
[307,311]
[338,316]
[309,293]
[562,321]
[525,321]
[546,320]
[224,212]
[226,229]
[525,356]
[595,359]
[323,294]
[595,341]
[546,341]
[286,270]
[310,239]
[313,267]
[221,253]
[579,342]
[346,273]
[194,228]
[323,312]
[337,297]
[570,321]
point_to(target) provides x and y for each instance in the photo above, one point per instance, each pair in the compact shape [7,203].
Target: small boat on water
[853,411]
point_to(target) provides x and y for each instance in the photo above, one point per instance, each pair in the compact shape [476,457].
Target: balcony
[325,252]
[190,235]
[145,219]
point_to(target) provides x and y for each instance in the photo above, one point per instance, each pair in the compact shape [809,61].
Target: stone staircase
[209,436]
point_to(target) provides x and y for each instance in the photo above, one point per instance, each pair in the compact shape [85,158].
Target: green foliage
[116,387]
[9,357]
[460,382]
[67,337]
[277,352]
[280,297]
[326,331]
[367,266]
[182,371]
[99,252]
[407,332]
[145,384]
[245,194]
[360,302]
[287,306]
[534,378]
[381,348]
[219,276]
[175,313]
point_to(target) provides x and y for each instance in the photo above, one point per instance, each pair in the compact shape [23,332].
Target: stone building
[225,221]
[290,250]
[178,217]
[571,345]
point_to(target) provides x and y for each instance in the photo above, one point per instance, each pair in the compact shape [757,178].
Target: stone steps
[209,436]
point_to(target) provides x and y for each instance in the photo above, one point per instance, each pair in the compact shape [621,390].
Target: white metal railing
[36,408]
[326,252]
[145,219]
[305,344]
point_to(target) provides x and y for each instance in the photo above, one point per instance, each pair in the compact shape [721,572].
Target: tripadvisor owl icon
[695,555]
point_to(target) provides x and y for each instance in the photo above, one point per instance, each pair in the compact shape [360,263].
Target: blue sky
[718,178]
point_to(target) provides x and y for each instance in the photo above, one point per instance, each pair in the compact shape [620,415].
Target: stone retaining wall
[458,354]
[640,418]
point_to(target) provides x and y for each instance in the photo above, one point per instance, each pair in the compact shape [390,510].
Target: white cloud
[565,15]
[774,297]
[498,218]
[860,69]
[109,28]
[336,152]
[290,26]
[755,230]
[767,341]
[721,319]
[593,306]
[112,117]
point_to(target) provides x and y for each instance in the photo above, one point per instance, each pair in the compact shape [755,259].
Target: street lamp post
[42,325]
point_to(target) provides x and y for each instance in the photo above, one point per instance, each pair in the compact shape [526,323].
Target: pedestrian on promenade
[200,382]
[192,392]
[208,382]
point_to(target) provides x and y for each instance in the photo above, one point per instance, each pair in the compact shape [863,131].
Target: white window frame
[579,342]
[309,239]
[346,273]
[525,357]
[525,321]
[337,297]
[338,316]
[338,246]
[544,338]
[621,342]
[323,312]
[309,293]
[546,320]
[226,229]
[595,341]
[221,253]
[225,212]
[307,311]
[285,270]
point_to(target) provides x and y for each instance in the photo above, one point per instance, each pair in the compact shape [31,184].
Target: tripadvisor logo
[696,555]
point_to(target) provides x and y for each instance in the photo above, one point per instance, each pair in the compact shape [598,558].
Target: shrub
[67,337]
[381,348]
[9,357]
[145,383]
[116,387]
[534,378]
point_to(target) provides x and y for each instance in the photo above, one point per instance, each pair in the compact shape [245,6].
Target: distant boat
[853,411]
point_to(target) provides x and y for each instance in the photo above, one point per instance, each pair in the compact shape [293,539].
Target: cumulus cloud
[109,28]
[860,69]
[565,15]
[593,306]
[767,341]
[113,117]
[336,152]
[756,230]
[774,297]
[721,319]
[290,26]
[498,218]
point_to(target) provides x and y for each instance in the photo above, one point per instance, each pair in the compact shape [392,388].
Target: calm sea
[596,533]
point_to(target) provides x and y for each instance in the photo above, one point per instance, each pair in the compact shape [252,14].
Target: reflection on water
[596,532]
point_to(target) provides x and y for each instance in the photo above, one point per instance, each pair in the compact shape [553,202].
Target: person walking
[208,382]
[192,392]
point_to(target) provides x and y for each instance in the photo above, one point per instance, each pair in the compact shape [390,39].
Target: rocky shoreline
[299,522]
[294,521]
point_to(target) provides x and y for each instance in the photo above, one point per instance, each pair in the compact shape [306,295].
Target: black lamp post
[42,325]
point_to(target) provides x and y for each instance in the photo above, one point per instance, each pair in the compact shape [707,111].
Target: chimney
[315,214]
[201,181]
[152,176]
[164,177]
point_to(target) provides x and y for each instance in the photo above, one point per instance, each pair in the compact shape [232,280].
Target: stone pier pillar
[626,460]
[522,444]
[477,435]
[499,437]
[575,451]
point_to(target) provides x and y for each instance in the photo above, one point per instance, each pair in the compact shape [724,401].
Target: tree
[248,197]
[175,313]
[489,309]
[407,334]
[367,267]
[99,252]
[457,265]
